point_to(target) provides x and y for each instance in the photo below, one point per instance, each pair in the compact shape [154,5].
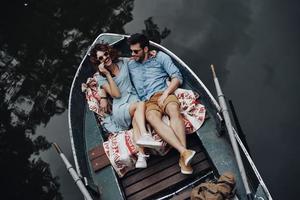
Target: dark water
[254,45]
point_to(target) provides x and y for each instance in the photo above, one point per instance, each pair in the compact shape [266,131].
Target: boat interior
[162,178]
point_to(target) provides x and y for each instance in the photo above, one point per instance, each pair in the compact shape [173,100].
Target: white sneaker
[141,161]
[148,141]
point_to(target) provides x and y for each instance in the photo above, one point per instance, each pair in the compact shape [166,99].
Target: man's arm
[174,74]
[174,84]
[170,67]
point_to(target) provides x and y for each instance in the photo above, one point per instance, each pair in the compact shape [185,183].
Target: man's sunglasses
[101,58]
[136,51]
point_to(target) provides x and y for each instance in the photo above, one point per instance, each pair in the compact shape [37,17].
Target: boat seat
[98,158]
[163,176]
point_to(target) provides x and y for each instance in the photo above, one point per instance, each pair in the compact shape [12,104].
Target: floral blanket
[120,147]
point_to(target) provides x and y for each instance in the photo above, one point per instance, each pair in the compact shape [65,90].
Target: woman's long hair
[113,54]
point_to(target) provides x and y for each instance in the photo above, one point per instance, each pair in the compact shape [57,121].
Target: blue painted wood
[105,178]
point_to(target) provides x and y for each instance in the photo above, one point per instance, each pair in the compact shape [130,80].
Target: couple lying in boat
[140,93]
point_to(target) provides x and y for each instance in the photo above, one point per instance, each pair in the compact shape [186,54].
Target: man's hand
[162,99]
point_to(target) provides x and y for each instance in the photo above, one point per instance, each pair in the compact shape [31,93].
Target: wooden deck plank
[100,162]
[169,181]
[150,180]
[149,171]
[151,162]
[98,158]
[96,152]
[193,144]
[163,172]
[158,167]
[154,160]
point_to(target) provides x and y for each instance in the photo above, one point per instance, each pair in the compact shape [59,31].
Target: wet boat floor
[163,176]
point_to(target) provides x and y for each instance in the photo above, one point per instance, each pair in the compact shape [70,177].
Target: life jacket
[223,189]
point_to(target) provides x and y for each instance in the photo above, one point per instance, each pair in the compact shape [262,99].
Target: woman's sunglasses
[101,58]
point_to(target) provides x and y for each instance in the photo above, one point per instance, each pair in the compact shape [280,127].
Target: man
[149,76]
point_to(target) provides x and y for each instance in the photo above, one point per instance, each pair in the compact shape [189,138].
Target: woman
[126,108]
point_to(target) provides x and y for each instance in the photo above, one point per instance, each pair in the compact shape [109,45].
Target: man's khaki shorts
[152,103]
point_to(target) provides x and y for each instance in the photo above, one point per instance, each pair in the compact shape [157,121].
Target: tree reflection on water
[41,45]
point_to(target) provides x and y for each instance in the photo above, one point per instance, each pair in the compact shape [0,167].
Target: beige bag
[226,185]
[206,191]
[222,190]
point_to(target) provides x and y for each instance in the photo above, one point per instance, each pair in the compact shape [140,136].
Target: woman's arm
[104,101]
[111,87]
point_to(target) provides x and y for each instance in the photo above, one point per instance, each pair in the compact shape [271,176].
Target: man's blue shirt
[150,76]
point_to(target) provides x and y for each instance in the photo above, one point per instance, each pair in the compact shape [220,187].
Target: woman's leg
[137,135]
[141,160]
[137,112]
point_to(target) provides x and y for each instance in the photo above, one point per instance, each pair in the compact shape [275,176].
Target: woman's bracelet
[103,97]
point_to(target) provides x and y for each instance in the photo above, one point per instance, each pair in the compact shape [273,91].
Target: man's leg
[177,124]
[166,132]
[176,121]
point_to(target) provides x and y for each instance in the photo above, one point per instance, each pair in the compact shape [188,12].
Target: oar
[229,127]
[73,173]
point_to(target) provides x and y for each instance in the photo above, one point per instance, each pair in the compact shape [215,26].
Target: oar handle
[230,133]
[213,70]
[73,173]
[59,151]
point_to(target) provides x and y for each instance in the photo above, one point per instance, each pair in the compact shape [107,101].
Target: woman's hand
[103,70]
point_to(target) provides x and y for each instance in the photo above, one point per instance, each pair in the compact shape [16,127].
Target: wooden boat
[162,179]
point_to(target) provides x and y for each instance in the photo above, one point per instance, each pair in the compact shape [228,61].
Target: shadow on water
[41,46]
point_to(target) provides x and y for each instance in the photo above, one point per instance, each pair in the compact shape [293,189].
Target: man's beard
[141,58]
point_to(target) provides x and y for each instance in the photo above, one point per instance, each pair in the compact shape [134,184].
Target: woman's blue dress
[120,107]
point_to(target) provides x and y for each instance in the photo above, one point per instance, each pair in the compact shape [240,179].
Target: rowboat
[162,178]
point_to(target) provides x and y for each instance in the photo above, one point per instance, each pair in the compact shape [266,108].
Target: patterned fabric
[192,110]
[92,95]
[121,150]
